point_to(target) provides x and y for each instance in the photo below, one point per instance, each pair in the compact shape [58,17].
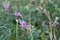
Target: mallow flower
[51,23]
[17,14]
[43,23]
[55,22]
[23,24]
[6,4]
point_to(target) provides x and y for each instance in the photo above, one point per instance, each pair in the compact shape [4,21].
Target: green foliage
[8,25]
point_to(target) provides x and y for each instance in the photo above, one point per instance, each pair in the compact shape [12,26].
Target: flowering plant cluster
[29,20]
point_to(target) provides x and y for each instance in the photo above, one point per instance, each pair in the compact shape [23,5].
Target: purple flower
[51,23]
[43,23]
[17,14]
[23,24]
[55,22]
[6,4]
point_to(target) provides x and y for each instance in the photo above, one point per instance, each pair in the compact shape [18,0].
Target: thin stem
[30,26]
[50,33]
[17,31]
[54,34]
[48,16]
[31,34]
[29,18]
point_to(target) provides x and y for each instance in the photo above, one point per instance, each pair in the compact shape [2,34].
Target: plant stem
[31,34]
[50,33]
[30,26]
[17,31]
[54,34]
[43,10]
